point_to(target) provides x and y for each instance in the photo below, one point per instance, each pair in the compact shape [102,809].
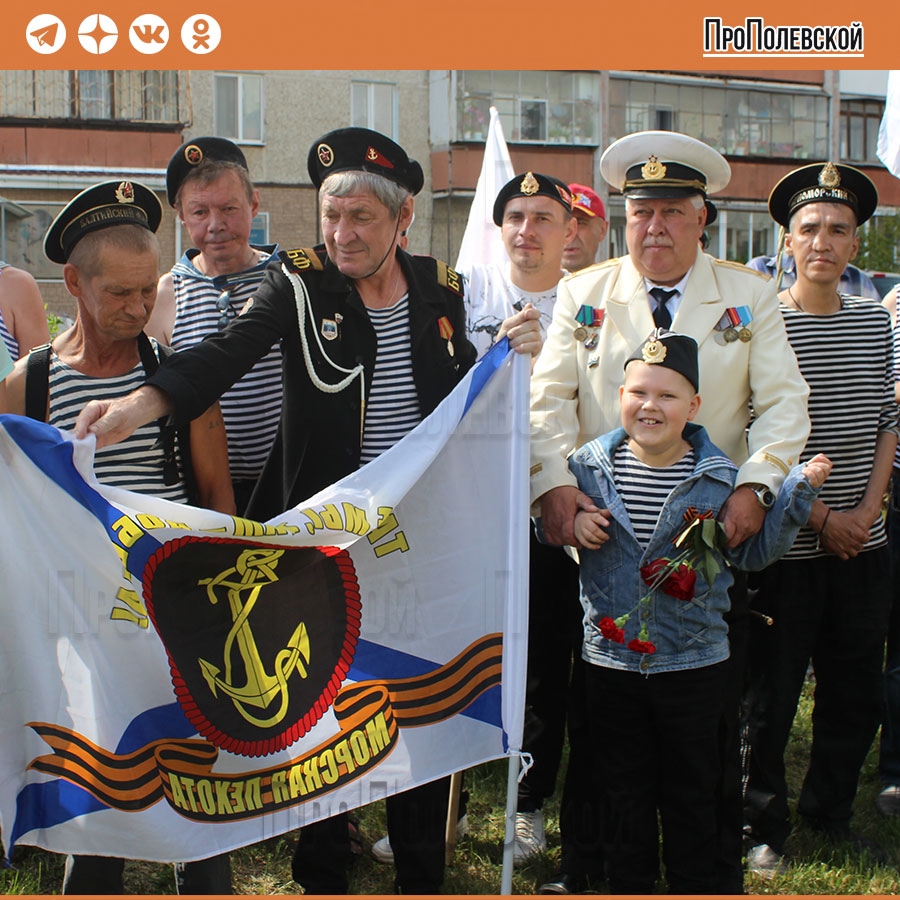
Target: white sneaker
[762,860]
[530,839]
[383,852]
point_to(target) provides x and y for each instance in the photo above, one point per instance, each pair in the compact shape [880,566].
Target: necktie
[661,315]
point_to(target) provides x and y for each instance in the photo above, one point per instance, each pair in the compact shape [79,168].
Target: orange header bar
[433,34]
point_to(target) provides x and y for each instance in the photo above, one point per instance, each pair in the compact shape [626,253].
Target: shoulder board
[448,278]
[301,260]
[740,267]
[594,268]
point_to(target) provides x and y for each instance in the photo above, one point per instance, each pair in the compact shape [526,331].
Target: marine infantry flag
[178,683]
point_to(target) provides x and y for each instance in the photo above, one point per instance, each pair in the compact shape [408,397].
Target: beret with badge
[101,206]
[532,184]
[362,150]
[658,164]
[826,182]
[674,351]
[190,155]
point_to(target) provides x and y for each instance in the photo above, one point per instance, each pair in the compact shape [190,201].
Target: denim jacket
[686,634]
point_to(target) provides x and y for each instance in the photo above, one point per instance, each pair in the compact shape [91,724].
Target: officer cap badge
[653,169]
[529,185]
[829,177]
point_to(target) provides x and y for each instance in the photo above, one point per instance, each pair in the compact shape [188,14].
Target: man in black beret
[349,394]
[838,569]
[536,219]
[208,184]
[534,214]
[105,241]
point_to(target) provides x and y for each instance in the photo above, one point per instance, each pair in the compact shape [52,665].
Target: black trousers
[416,820]
[103,875]
[835,613]
[555,704]
[656,740]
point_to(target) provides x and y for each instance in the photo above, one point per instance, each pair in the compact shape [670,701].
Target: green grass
[265,868]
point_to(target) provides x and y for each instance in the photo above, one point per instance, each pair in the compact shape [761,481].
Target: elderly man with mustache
[747,364]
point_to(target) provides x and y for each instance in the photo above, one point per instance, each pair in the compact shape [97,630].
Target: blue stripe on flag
[54,802]
[373,661]
[53,455]
[487,365]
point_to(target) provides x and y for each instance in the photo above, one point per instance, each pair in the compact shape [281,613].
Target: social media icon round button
[98,33]
[201,33]
[148,33]
[45,33]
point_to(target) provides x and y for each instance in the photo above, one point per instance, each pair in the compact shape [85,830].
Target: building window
[373,104]
[92,95]
[735,120]
[543,107]
[125,96]
[238,106]
[859,129]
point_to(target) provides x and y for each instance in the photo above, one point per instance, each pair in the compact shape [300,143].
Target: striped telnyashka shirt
[644,489]
[135,464]
[392,407]
[847,361]
[251,408]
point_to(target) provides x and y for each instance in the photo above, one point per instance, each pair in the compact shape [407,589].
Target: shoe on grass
[530,839]
[383,852]
[888,801]
[762,860]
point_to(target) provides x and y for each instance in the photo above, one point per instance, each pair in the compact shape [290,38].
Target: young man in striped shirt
[830,596]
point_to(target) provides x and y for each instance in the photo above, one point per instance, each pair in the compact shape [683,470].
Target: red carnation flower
[641,646]
[652,569]
[610,631]
[681,583]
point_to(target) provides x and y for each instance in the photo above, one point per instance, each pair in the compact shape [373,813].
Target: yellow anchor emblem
[254,570]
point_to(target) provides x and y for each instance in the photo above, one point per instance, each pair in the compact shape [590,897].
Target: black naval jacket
[320,434]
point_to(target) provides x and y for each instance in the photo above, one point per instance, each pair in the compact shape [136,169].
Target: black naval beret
[188,156]
[361,149]
[674,351]
[532,184]
[823,183]
[101,206]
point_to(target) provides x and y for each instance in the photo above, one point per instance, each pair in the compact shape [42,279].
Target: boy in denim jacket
[654,608]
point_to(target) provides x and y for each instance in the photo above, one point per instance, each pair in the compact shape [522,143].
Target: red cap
[586,200]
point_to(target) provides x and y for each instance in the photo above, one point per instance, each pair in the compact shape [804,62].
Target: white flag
[178,682]
[889,133]
[481,242]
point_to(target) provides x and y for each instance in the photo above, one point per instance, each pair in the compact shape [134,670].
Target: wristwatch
[764,496]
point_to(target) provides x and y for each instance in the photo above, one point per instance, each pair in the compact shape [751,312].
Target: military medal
[588,317]
[446,330]
[329,329]
[733,324]
[593,362]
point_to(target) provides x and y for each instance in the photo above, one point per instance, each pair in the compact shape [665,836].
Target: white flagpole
[481,242]
[515,631]
[888,148]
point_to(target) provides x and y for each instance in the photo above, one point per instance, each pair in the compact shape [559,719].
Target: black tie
[661,315]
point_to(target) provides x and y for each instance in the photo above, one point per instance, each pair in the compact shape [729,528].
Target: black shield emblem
[259,637]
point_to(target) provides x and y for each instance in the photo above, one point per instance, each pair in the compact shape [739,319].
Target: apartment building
[61,131]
